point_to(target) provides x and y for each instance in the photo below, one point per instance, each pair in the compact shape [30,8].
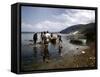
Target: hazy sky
[36,19]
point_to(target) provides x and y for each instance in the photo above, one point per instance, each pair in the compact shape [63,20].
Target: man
[35,38]
[46,41]
[60,44]
[59,38]
[47,36]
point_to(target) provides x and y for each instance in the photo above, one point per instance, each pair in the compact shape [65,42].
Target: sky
[37,19]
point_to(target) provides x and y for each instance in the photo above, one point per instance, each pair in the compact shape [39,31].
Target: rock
[92,58]
[83,52]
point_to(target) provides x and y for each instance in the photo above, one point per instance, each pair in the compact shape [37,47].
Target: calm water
[32,54]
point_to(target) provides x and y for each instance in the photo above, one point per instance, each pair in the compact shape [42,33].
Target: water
[32,54]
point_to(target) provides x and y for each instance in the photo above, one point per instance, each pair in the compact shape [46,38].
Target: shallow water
[32,54]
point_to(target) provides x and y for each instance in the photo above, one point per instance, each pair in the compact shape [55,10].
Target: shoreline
[72,56]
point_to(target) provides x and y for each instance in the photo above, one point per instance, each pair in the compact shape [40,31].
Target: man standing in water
[60,43]
[35,38]
[59,38]
[46,41]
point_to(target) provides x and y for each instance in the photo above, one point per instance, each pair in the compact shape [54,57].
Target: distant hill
[80,27]
[87,30]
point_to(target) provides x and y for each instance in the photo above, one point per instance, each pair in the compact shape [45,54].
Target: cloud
[26,27]
[61,21]
[73,17]
[84,16]
[43,26]
[50,26]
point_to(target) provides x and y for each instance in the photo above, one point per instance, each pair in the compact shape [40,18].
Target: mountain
[89,28]
[83,28]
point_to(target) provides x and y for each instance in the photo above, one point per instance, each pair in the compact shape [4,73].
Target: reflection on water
[35,52]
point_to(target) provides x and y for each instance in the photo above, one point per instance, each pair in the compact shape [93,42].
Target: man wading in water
[46,41]
[60,44]
[35,38]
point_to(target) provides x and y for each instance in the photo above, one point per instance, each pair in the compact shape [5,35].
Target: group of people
[48,39]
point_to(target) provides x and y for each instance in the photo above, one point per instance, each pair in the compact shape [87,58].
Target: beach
[72,55]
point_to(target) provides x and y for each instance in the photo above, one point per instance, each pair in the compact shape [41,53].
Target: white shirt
[47,35]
